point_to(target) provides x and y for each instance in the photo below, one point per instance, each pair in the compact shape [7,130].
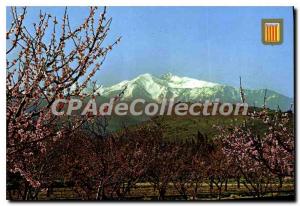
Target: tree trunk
[100,192]
[211,186]
[162,193]
[26,190]
[219,192]
[280,182]
[195,192]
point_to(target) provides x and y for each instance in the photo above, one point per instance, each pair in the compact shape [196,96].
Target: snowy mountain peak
[185,82]
[168,76]
[155,88]
[152,88]
[172,81]
[143,76]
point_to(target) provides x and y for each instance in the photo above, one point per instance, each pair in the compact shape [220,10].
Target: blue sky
[216,44]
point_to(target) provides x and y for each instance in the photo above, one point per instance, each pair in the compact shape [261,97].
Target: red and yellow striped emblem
[272,31]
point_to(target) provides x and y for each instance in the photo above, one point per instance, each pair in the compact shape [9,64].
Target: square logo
[272,31]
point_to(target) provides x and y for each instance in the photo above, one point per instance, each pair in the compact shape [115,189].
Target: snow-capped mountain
[154,89]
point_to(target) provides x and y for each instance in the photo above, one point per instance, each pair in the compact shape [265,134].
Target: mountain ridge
[154,89]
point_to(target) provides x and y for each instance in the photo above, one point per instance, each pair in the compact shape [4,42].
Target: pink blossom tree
[43,64]
[260,158]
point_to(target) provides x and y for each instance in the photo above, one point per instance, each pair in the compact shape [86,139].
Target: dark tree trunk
[162,193]
[219,191]
[211,185]
[280,182]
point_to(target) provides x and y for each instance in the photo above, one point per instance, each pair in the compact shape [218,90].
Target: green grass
[180,128]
